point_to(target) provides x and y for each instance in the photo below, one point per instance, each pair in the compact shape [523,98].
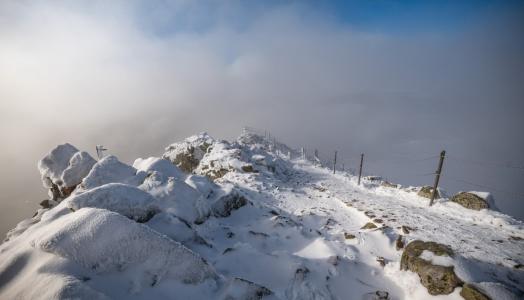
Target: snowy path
[334,205]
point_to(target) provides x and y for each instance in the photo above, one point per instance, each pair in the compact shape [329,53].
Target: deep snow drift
[249,219]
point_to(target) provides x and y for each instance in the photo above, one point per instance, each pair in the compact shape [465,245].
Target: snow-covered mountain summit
[249,219]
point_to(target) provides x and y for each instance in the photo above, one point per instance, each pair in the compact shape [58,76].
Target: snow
[279,231]
[109,170]
[83,238]
[316,250]
[160,165]
[439,260]
[79,166]
[64,167]
[124,199]
[55,162]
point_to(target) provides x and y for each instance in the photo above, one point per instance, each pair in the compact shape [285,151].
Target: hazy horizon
[397,82]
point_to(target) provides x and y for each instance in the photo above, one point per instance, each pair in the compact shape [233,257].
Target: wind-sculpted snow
[247,220]
[123,199]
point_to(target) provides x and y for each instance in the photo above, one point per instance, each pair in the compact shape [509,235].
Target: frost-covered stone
[79,166]
[187,154]
[105,242]
[123,199]
[224,205]
[178,198]
[63,169]
[202,184]
[173,227]
[160,165]
[110,170]
[55,162]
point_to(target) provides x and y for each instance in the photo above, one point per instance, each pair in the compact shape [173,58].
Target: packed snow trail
[267,226]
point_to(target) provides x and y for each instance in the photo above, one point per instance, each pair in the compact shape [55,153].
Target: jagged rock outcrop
[438,279]
[187,154]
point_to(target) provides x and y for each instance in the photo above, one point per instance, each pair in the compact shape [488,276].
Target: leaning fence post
[437,177]
[335,162]
[360,171]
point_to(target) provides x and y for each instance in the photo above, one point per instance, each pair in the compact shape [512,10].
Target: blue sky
[381,16]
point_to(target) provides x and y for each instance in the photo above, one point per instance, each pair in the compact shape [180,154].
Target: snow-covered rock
[104,242]
[110,170]
[160,165]
[121,198]
[79,166]
[178,198]
[63,169]
[187,154]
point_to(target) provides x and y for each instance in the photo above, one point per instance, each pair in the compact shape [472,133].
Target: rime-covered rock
[121,198]
[63,168]
[224,205]
[105,241]
[187,154]
[110,170]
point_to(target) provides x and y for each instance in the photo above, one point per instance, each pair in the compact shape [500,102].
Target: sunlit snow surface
[149,231]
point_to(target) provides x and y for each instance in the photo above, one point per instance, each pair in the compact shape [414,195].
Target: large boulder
[470,200]
[123,199]
[63,169]
[427,191]
[438,279]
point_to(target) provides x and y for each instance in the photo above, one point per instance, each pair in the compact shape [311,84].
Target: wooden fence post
[360,171]
[335,162]
[437,177]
